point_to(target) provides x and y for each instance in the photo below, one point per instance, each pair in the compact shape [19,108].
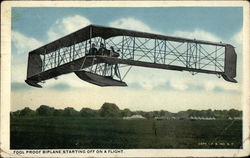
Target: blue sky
[148,89]
[219,20]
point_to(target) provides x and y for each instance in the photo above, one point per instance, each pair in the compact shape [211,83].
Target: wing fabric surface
[230,64]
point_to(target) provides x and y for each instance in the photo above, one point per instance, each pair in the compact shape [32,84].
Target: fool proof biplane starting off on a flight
[96,54]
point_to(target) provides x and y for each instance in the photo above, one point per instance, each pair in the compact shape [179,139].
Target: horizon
[120,108]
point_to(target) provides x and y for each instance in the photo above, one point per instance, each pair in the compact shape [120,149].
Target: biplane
[97,53]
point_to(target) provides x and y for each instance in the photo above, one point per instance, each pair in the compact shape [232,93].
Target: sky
[148,89]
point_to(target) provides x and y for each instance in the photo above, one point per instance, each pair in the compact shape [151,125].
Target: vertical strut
[133,55]
[187,55]
[195,55]
[122,45]
[55,59]
[199,56]
[44,61]
[74,51]
[111,73]
[164,60]
[70,50]
[215,58]
[58,58]
[155,52]
[86,44]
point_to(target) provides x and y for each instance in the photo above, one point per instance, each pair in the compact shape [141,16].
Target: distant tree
[221,114]
[191,112]
[45,110]
[126,112]
[182,114]
[16,113]
[109,110]
[69,111]
[162,113]
[87,112]
[203,113]
[139,112]
[148,115]
[166,113]
[156,114]
[27,112]
[234,113]
[209,113]
[196,113]
[58,112]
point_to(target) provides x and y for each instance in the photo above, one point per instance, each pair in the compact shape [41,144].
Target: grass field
[82,133]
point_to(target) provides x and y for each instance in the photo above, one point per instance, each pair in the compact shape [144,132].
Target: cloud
[23,43]
[223,90]
[198,34]
[238,37]
[178,85]
[146,78]
[135,85]
[16,86]
[195,87]
[164,86]
[71,80]
[60,86]
[162,80]
[67,25]
[132,24]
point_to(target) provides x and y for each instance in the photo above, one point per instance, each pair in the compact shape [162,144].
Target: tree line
[110,110]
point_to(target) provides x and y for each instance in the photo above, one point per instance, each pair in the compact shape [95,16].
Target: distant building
[165,118]
[201,118]
[235,118]
[162,118]
[134,117]
[159,118]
